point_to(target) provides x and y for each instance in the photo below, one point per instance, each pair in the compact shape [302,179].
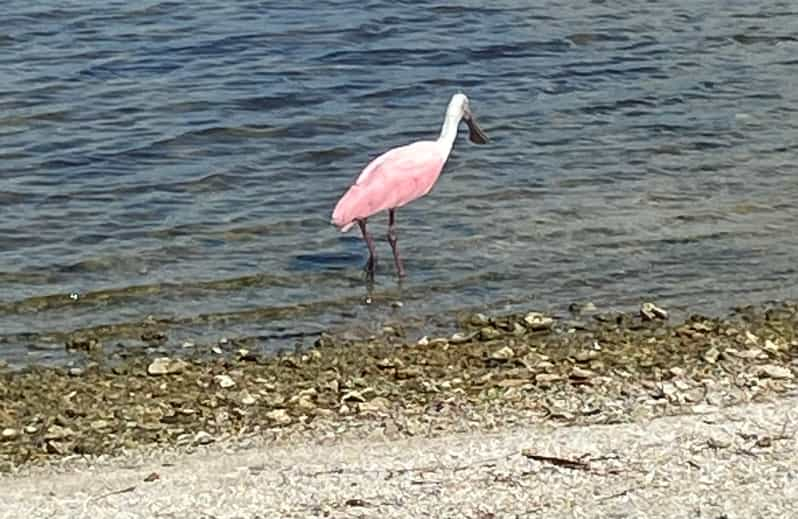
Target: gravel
[498,371]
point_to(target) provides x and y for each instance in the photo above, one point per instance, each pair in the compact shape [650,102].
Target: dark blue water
[179,161]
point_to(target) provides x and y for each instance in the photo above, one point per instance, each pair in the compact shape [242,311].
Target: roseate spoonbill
[401,175]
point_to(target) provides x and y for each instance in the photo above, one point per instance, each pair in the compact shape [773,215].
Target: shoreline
[524,368]
[738,461]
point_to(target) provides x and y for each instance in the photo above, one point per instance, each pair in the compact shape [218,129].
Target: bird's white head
[459,109]
[458,104]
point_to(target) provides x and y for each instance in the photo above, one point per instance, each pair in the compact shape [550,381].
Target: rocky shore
[589,368]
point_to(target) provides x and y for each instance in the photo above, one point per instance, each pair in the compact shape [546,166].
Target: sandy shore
[598,415]
[738,462]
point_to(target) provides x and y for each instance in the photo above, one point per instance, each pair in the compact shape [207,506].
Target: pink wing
[391,180]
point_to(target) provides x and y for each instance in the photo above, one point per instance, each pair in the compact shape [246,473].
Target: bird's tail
[342,227]
[345,212]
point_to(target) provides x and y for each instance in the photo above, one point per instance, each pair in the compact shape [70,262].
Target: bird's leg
[372,262]
[392,240]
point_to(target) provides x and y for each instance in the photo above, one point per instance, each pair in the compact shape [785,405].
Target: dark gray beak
[475,133]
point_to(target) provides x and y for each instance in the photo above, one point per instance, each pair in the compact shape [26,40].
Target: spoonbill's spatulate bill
[401,175]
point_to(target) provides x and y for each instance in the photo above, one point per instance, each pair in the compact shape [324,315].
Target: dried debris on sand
[598,368]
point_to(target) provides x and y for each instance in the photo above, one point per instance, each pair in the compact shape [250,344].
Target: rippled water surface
[181,161]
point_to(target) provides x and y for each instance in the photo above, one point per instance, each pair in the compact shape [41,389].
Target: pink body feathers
[401,175]
[392,180]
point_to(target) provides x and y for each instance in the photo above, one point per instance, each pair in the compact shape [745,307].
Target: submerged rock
[82,343]
[247,355]
[203,438]
[503,354]
[582,373]
[536,321]
[711,355]
[582,308]
[460,337]
[391,330]
[154,337]
[586,355]
[774,371]
[325,340]
[651,312]
[389,362]
[489,333]
[57,432]
[224,381]
[279,417]
[353,396]
[100,424]
[375,405]
[478,320]
[547,378]
[166,366]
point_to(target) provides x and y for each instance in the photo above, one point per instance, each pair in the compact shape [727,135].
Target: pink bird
[400,176]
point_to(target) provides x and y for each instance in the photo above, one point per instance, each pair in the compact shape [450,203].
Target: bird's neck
[450,125]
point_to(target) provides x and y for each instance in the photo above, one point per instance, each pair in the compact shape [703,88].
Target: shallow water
[181,161]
